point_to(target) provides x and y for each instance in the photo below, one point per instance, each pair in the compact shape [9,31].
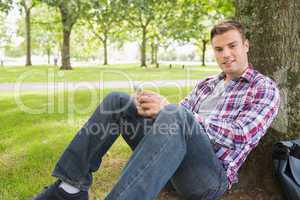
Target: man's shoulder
[261,80]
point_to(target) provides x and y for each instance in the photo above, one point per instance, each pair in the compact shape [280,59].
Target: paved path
[51,86]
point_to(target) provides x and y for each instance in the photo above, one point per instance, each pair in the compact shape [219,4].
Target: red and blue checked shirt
[240,119]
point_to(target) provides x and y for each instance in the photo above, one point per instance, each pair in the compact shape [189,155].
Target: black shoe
[53,192]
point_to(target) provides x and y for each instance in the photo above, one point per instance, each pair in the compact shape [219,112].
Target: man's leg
[164,152]
[200,174]
[116,114]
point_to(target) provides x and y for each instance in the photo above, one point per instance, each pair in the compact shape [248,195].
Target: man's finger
[148,105]
[140,111]
[146,99]
[149,93]
[150,113]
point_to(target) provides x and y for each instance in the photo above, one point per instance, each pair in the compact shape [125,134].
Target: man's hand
[149,103]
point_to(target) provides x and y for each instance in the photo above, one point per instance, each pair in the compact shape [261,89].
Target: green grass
[31,143]
[100,72]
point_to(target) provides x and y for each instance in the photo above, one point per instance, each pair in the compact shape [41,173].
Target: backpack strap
[282,151]
[295,150]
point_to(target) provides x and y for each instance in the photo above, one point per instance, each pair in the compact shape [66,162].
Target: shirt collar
[247,75]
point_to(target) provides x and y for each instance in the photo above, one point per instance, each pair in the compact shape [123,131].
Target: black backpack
[286,159]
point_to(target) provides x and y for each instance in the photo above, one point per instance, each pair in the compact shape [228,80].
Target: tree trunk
[143,48]
[68,19]
[204,42]
[27,37]
[65,54]
[152,53]
[275,51]
[105,50]
[155,54]
[48,55]
[273,29]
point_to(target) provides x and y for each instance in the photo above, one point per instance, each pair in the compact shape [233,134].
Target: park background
[59,58]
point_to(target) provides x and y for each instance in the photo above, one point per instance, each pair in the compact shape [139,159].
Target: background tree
[273,29]
[46,37]
[140,14]
[2,36]
[196,18]
[47,31]
[154,38]
[85,45]
[26,6]
[70,11]
[160,29]
[5,39]
[104,20]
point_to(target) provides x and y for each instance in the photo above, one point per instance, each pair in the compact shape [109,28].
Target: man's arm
[250,124]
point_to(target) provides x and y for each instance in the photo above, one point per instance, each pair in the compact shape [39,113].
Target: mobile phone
[138,88]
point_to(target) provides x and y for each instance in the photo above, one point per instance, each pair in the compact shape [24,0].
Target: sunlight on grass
[110,72]
[32,143]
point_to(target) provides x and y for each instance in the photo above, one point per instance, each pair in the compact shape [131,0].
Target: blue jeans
[172,147]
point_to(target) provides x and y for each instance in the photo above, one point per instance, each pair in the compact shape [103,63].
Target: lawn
[36,128]
[100,72]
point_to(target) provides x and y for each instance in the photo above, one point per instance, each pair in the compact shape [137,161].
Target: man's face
[231,53]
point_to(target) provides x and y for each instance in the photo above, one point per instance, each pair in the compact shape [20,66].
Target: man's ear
[246,45]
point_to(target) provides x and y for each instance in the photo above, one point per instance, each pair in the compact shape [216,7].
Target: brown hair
[227,26]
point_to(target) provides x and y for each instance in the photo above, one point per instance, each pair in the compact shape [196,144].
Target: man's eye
[232,46]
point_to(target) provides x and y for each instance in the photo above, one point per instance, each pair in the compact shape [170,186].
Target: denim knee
[115,95]
[117,100]
[172,116]
[174,111]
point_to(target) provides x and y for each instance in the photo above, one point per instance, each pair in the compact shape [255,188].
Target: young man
[198,146]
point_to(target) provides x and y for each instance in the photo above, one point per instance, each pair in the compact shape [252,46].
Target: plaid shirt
[238,121]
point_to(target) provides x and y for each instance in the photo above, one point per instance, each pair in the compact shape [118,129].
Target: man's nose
[226,52]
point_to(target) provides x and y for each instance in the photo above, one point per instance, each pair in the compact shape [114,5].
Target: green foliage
[70,10]
[84,44]
[102,18]
[140,13]
[3,33]
[151,23]
[106,20]
[147,19]
[196,18]
[46,30]
[13,51]
[27,5]
[47,35]
[5,5]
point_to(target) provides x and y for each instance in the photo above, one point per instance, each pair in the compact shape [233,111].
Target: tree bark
[204,42]
[152,53]
[65,54]
[143,47]
[105,62]
[27,37]
[273,30]
[67,24]
[48,55]
[156,54]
